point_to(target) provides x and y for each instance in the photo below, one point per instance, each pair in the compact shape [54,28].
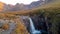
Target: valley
[42,20]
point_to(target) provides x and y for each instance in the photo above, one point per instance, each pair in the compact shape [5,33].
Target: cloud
[17,1]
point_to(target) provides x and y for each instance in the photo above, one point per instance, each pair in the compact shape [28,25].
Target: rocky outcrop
[12,26]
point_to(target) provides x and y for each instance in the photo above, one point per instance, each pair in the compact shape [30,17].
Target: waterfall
[33,30]
[31,24]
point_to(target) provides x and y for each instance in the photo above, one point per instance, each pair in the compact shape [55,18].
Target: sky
[17,1]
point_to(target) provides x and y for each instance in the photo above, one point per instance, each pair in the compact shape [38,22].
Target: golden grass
[20,27]
[1,6]
[5,26]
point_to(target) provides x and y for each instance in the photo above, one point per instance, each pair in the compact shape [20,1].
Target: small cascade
[33,30]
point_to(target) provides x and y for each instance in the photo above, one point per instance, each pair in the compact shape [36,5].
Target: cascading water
[33,30]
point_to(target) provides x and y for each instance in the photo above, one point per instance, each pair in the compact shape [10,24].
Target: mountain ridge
[32,6]
[22,6]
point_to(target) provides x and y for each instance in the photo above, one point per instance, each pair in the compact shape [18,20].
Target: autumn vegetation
[51,11]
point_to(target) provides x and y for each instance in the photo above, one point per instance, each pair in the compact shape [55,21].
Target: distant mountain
[8,7]
[36,3]
[23,6]
[18,6]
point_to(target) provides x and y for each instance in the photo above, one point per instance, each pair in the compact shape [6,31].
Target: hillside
[49,6]
[53,4]
[1,6]
[51,11]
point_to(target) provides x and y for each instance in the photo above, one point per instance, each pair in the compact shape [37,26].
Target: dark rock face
[39,22]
